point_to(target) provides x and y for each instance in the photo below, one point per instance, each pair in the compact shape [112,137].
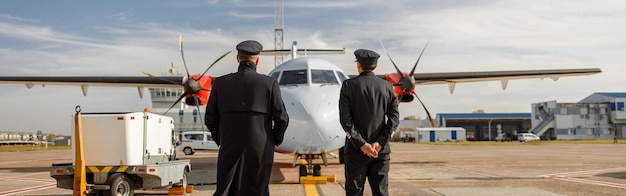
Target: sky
[123,38]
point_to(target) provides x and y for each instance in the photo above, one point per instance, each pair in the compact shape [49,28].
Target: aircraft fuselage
[310,90]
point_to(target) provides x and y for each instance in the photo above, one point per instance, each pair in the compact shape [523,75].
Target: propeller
[407,82]
[191,85]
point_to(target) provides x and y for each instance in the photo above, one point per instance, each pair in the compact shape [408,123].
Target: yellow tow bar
[80,187]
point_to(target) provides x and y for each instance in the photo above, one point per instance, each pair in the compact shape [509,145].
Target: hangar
[486,126]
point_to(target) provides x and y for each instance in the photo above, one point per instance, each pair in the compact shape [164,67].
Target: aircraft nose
[314,123]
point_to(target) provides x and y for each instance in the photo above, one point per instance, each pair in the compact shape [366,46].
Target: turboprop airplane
[310,90]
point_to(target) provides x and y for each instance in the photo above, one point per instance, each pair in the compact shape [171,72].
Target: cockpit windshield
[293,77]
[323,77]
[300,77]
[342,76]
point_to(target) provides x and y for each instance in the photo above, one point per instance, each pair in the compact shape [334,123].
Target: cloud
[121,16]
[324,4]
[14,18]
[248,16]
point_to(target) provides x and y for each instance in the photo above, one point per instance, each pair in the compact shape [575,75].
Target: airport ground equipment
[124,152]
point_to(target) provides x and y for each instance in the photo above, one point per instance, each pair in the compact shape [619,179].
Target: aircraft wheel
[303,171]
[120,186]
[317,170]
[188,151]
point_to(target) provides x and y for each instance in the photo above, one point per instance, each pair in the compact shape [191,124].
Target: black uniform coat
[368,110]
[247,118]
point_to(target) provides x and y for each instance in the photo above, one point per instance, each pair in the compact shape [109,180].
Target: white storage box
[118,138]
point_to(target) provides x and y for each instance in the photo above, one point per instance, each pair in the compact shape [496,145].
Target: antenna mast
[279,24]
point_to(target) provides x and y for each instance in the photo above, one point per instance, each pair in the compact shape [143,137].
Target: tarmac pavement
[416,169]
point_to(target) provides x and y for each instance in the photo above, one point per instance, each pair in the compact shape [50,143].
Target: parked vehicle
[526,137]
[502,137]
[191,141]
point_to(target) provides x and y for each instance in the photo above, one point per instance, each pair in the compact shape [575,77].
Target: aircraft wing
[85,81]
[458,77]
[451,78]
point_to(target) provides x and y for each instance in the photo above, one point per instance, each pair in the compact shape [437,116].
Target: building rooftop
[484,115]
[620,95]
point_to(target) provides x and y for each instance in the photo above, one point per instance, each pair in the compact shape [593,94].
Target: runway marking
[566,177]
[26,179]
[594,182]
[29,189]
[310,190]
[585,172]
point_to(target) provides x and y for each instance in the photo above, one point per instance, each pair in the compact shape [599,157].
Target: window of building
[563,132]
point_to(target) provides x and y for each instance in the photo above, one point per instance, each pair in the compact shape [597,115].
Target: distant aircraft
[310,90]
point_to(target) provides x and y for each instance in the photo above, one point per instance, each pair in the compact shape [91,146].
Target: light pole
[490,128]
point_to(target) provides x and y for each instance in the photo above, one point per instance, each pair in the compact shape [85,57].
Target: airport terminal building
[598,116]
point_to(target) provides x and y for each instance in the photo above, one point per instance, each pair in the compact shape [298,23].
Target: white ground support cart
[124,152]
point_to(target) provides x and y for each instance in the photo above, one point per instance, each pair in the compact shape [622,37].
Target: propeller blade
[180,46]
[199,113]
[216,60]
[150,75]
[178,100]
[430,119]
[418,59]
[394,64]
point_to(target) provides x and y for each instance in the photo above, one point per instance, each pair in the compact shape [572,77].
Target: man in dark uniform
[247,118]
[368,110]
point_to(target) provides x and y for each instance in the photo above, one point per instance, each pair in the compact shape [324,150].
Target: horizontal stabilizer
[304,52]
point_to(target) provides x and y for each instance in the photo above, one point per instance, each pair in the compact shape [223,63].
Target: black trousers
[359,166]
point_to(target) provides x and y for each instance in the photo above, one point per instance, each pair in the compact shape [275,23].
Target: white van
[191,141]
[525,137]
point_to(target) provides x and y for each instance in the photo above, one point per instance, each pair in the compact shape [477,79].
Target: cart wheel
[120,186]
[184,183]
[188,151]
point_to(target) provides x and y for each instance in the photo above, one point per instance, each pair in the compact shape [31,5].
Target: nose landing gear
[312,173]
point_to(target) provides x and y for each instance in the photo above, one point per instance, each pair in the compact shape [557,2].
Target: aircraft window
[342,76]
[293,77]
[323,76]
[275,75]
